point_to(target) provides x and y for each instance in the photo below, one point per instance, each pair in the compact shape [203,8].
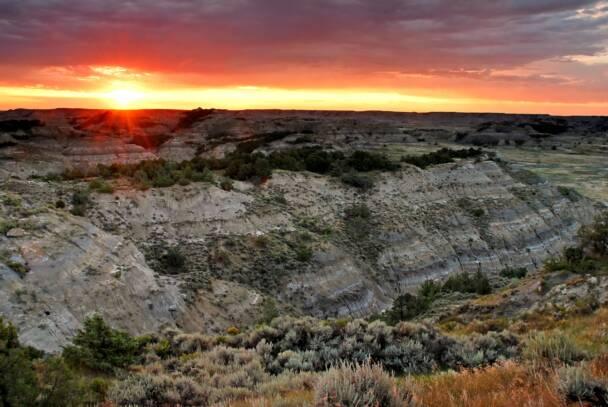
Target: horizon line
[308,111]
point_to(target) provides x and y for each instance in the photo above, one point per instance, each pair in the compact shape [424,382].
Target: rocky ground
[288,239]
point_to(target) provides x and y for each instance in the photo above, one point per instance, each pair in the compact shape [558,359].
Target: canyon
[289,241]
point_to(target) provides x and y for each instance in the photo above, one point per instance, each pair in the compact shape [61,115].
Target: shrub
[99,347]
[367,161]
[173,260]
[17,267]
[442,156]
[101,186]
[595,236]
[319,162]
[430,289]
[360,385]
[570,193]
[358,221]
[80,197]
[78,210]
[477,283]
[578,386]
[483,350]
[226,185]
[60,386]
[18,385]
[233,330]
[26,379]
[360,211]
[269,311]
[573,254]
[6,225]
[477,212]
[574,260]
[406,306]
[12,200]
[353,179]
[80,202]
[136,390]
[519,272]
[200,176]
[552,348]
[303,253]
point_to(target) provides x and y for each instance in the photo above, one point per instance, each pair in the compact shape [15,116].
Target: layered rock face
[310,242]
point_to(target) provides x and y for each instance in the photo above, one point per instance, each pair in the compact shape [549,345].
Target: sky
[521,56]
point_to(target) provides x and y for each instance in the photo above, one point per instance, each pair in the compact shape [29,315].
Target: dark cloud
[236,37]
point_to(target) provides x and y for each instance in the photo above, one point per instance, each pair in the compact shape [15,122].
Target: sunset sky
[536,56]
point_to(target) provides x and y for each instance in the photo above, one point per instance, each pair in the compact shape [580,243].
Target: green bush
[365,161]
[80,197]
[18,385]
[353,179]
[303,253]
[80,202]
[100,348]
[28,379]
[442,156]
[477,212]
[226,185]
[358,221]
[595,236]
[173,260]
[552,348]
[578,386]
[519,272]
[573,260]
[269,311]
[360,385]
[101,186]
[17,267]
[361,211]
[477,283]
[570,193]
[6,225]
[406,307]
[573,254]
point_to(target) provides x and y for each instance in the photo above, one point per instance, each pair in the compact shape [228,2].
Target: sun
[122,98]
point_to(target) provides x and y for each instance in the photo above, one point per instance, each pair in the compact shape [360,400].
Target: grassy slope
[531,381]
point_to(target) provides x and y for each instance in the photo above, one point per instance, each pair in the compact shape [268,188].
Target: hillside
[288,239]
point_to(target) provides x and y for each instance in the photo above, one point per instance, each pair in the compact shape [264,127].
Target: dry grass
[505,385]
[295,398]
[598,367]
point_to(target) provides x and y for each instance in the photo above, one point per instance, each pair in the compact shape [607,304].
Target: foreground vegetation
[304,361]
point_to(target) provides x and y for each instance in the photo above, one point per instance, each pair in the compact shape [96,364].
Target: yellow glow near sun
[122,98]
